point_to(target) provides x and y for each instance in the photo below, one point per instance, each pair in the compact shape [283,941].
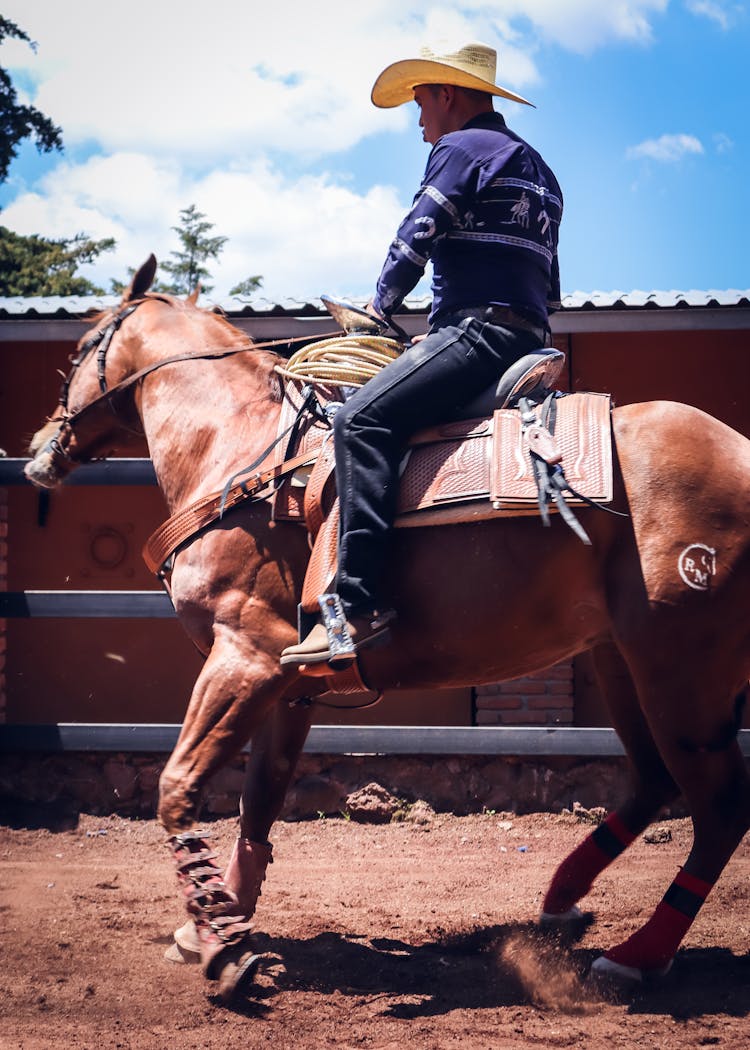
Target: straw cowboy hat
[472,66]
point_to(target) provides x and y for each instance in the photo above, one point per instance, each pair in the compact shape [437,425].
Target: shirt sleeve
[554,299]
[437,207]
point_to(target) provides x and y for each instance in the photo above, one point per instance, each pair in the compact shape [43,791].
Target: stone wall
[128,784]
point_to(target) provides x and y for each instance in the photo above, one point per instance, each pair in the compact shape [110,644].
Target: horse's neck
[204,420]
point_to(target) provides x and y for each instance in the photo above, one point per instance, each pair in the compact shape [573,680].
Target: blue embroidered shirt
[487,214]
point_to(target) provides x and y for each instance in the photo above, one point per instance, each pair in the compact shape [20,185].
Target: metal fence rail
[385,740]
[526,741]
[129,605]
[103,472]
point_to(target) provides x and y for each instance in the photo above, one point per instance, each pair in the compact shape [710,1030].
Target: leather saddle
[529,375]
[501,454]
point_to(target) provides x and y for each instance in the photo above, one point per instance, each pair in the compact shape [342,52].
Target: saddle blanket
[472,469]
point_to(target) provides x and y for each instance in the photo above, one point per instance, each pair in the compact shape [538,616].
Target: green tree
[17,121]
[38,265]
[188,269]
[248,286]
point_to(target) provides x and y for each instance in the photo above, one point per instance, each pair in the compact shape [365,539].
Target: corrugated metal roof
[664,300]
[76,305]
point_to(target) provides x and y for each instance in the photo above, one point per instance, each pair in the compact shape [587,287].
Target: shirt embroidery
[487,216]
[441,199]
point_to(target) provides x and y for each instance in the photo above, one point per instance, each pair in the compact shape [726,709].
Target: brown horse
[661,596]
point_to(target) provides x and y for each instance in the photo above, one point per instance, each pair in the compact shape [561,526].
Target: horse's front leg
[276,747]
[232,697]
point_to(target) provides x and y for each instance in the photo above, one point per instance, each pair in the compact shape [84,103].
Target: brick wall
[543,698]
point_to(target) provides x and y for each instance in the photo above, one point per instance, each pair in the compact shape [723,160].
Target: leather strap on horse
[321,570]
[209,353]
[315,511]
[163,543]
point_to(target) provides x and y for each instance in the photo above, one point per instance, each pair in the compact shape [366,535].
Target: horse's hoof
[548,921]
[186,937]
[617,979]
[176,954]
[186,947]
[568,925]
[236,976]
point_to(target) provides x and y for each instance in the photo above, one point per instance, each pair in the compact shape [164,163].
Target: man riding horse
[671,657]
[487,215]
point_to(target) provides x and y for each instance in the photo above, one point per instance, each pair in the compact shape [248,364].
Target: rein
[105,338]
[187,523]
[163,543]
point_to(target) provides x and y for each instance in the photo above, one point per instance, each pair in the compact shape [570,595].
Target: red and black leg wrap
[655,944]
[686,894]
[612,837]
[574,877]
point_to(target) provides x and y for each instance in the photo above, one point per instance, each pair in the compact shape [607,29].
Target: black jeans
[438,375]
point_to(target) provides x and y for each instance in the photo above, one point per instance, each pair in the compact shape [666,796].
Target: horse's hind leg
[696,733]
[275,750]
[651,788]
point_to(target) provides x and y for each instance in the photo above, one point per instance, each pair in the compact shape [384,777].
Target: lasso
[348,360]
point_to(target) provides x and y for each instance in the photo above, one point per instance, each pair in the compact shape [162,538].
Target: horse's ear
[193,297]
[142,280]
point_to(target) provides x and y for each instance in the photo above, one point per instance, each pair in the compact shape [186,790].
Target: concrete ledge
[338,740]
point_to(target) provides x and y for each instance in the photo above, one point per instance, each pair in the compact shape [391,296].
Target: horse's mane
[216,313]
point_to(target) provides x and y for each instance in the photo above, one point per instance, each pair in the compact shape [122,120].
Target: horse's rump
[687,480]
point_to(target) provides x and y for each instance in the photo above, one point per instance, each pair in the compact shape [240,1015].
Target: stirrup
[535,371]
[333,618]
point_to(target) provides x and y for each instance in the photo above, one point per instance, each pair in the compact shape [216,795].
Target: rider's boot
[339,636]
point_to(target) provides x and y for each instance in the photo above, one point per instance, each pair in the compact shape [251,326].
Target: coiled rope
[348,360]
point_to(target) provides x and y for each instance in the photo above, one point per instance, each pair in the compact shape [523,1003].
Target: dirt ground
[406,934]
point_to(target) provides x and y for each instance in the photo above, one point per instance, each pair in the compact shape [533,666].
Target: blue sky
[261,117]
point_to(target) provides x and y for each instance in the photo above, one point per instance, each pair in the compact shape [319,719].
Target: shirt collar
[486,120]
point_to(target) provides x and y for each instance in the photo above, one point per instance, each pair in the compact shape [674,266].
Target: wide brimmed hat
[472,66]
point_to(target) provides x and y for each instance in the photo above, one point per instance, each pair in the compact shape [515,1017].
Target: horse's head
[85,425]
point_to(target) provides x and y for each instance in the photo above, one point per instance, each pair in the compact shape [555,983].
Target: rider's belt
[506,318]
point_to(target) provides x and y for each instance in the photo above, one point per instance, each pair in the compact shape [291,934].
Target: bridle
[101,341]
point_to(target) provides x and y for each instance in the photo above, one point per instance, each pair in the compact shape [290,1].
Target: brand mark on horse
[697,564]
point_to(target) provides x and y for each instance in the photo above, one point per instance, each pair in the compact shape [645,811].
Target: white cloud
[711,9]
[584,25]
[204,82]
[244,109]
[723,143]
[667,148]
[305,236]
[290,76]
